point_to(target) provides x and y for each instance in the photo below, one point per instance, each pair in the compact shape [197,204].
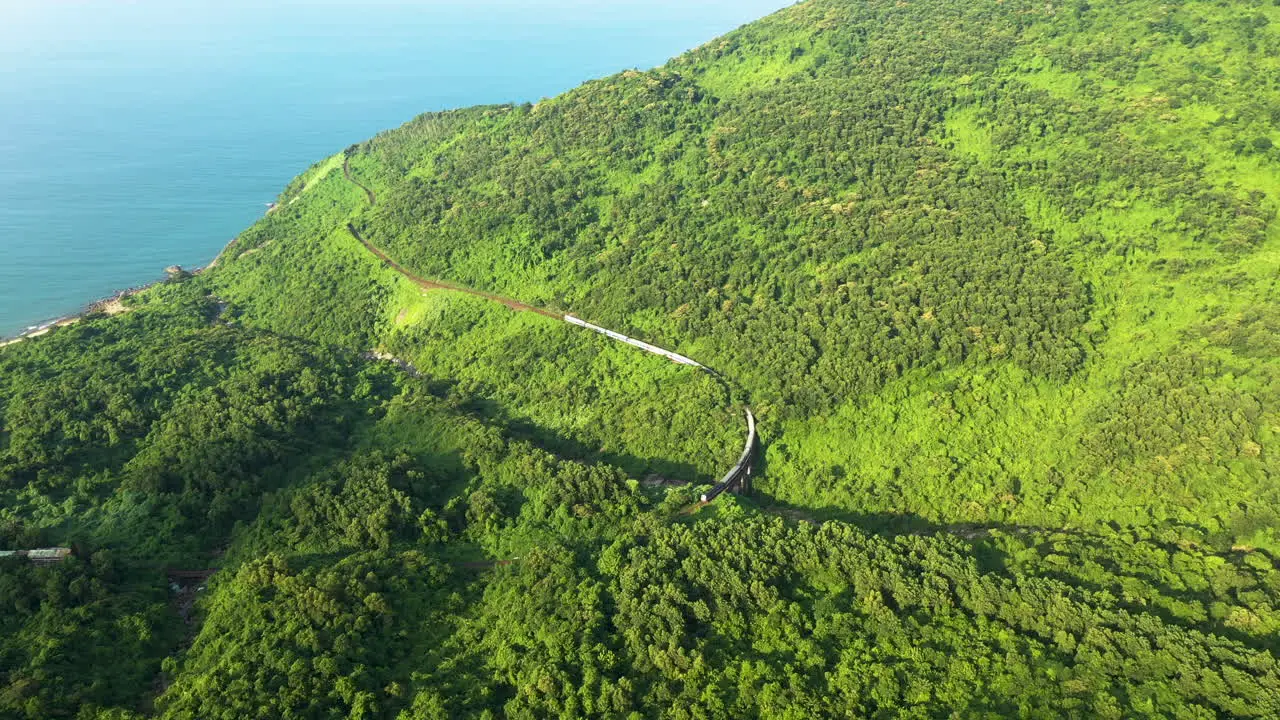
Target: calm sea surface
[135,135]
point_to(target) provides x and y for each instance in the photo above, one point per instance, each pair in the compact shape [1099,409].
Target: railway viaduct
[737,479]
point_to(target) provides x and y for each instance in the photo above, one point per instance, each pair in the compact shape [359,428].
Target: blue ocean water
[136,135]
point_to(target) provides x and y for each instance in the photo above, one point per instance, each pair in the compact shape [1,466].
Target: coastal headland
[114,304]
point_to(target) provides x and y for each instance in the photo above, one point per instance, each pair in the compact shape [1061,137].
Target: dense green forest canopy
[998,277]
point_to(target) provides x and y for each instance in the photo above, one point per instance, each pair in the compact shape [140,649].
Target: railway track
[737,478]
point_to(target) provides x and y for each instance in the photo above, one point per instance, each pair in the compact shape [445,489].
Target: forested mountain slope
[994,262]
[999,279]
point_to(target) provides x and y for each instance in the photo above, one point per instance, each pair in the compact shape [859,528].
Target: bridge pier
[740,475]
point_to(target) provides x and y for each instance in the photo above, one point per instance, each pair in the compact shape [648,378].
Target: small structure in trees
[39,556]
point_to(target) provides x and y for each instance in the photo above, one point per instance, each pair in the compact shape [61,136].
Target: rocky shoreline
[111,305]
[114,304]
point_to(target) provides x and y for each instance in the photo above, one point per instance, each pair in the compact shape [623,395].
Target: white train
[742,471]
[674,357]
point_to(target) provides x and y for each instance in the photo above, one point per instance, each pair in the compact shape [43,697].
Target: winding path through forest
[737,476]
